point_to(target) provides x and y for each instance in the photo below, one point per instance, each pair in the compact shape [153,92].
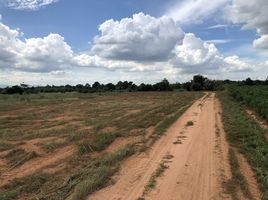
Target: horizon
[60,42]
[152,83]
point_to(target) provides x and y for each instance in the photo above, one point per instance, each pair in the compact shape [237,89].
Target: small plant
[152,182]
[5,146]
[190,123]
[19,156]
[52,146]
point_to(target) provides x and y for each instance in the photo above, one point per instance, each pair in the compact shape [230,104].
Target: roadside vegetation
[247,137]
[256,97]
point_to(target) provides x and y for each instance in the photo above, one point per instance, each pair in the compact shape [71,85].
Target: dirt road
[197,169]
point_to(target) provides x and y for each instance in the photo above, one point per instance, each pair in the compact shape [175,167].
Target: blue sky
[78,20]
[238,45]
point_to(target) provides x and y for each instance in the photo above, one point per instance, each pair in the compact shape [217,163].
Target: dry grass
[82,120]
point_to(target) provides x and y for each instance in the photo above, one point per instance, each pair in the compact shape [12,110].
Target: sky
[82,41]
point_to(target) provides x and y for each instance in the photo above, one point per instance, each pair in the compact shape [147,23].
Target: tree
[196,86]
[96,85]
[199,79]
[110,87]
[187,86]
[163,85]
[14,90]
[248,81]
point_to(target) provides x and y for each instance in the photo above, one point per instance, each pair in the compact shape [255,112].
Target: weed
[19,156]
[19,186]
[190,123]
[5,146]
[152,182]
[52,146]
[99,171]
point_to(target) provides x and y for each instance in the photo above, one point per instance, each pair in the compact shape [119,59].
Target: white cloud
[1,17]
[197,56]
[261,43]
[194,11]
[34,54]
[252,15]
[29,4]
[219,41]
[235,64]
[140,38]
[141,46]
[217,26]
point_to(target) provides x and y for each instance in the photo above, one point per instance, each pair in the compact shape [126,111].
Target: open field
[55,146]
[153,145]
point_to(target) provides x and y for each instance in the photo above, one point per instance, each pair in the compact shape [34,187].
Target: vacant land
[58,146]
[132,146]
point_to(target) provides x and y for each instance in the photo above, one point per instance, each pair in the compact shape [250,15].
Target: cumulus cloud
[194,11]
[253,15]
[194,54]
[235,64]
[29,4]
[140,38]
[132,45]
[34,54]
[261,43]
[197,56]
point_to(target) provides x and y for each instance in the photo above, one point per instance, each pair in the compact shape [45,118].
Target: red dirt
[195,172]
[249,175]
[36,164]
[198,169]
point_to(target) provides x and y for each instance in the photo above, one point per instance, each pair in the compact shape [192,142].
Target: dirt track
[197,170]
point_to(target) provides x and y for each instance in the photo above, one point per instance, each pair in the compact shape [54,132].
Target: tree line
[198,83]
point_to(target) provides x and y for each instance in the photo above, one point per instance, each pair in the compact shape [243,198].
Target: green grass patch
[153,180]
[27,185]
[245,134]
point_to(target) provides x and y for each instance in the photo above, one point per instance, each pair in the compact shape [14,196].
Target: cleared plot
[78,140]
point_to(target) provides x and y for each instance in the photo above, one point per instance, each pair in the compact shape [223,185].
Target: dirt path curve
[196,171]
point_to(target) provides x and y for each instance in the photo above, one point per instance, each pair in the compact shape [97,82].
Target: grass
[153,180]
[19,156]
[100,142]
[190,123]
[52,146]
[238,180]
[70,114]
[28,184]
[99,172]
[158,172]
[5,146]
[245,135]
